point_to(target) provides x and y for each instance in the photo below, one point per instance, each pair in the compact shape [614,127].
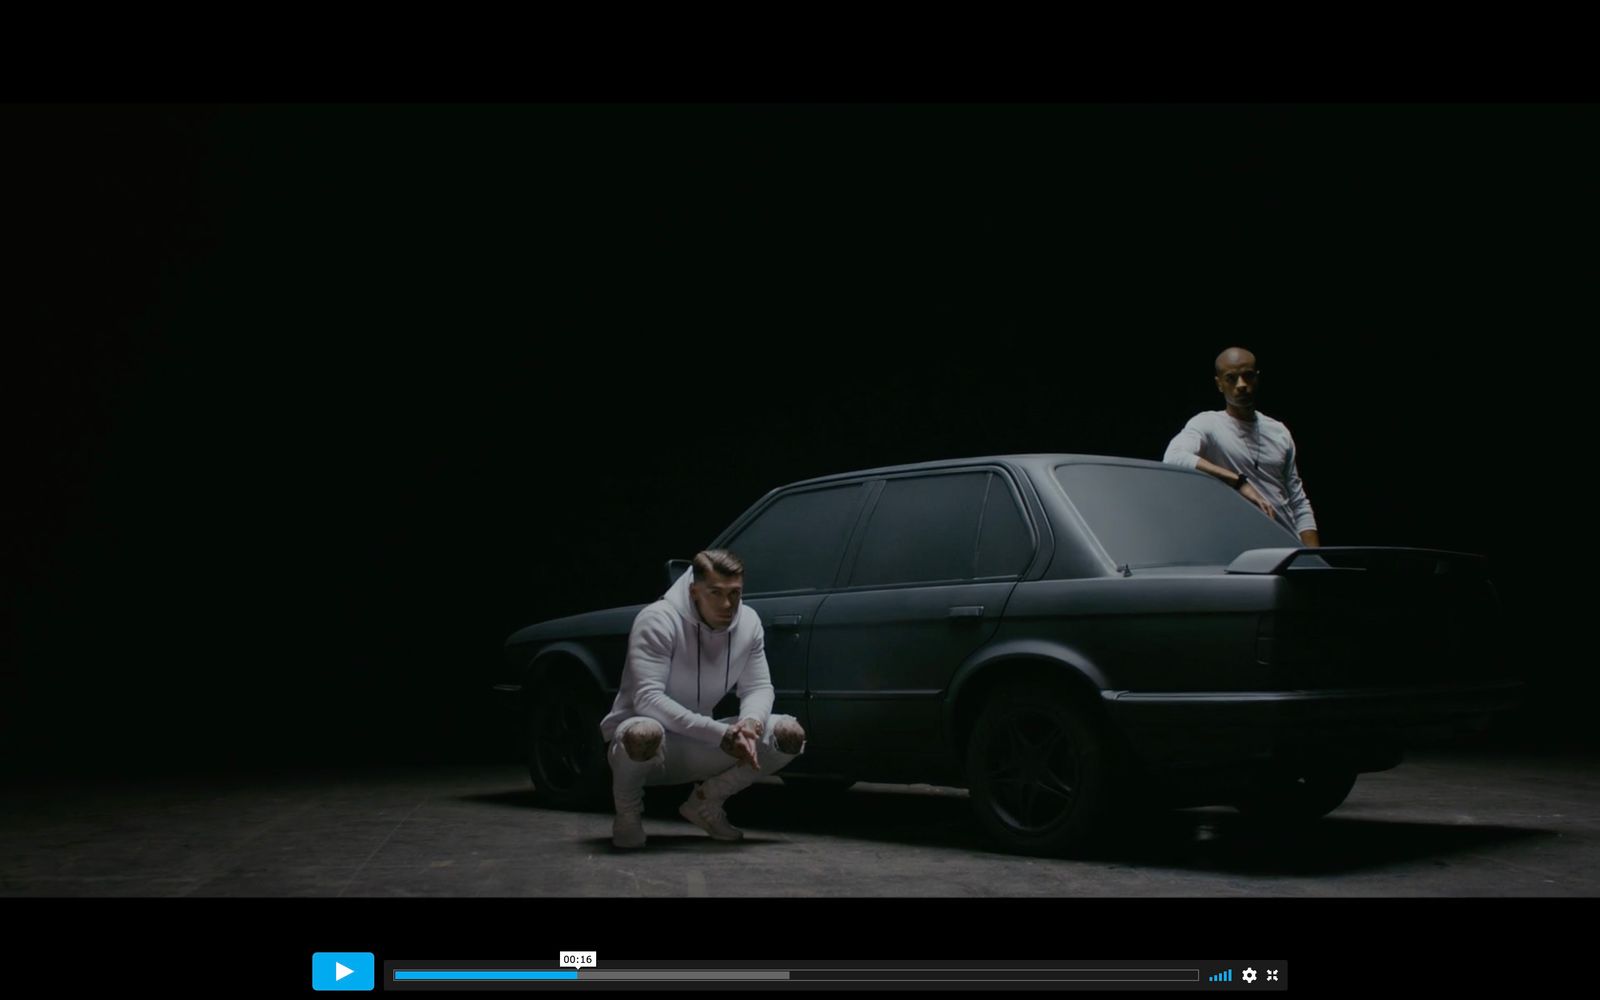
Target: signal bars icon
[1225,976]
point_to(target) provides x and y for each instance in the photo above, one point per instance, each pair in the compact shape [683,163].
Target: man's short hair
[720,561]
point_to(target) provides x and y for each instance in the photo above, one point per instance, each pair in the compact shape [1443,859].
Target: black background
[309,406]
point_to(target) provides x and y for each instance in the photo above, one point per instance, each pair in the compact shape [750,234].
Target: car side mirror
[676,568]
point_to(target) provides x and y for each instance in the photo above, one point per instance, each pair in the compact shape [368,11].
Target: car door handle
[786,621]
[967,611]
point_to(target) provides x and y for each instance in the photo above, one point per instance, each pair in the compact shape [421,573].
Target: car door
[792,547]
[928,579]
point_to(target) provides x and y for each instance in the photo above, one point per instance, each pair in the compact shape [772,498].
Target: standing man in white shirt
[1247,449]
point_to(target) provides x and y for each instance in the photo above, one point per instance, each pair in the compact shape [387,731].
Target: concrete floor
[1441,825]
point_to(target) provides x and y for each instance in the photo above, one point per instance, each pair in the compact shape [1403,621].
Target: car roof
[1036,462]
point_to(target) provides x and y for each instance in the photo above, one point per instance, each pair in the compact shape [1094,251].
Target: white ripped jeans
[680,760]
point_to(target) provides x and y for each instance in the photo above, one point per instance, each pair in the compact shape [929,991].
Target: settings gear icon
[1249,975]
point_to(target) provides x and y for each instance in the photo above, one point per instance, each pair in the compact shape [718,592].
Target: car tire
[566,754]
[1299,796]
[1039,770]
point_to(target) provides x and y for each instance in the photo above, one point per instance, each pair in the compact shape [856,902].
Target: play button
[343,970]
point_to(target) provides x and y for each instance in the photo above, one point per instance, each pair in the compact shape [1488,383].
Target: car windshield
[1147,516]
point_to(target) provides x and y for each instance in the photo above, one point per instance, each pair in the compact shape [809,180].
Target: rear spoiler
[1273,562]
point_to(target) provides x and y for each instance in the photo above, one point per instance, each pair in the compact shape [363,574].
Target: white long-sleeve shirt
[678,668]
[1261,450]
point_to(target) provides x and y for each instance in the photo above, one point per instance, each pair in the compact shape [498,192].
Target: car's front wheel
[566,754]
[1039,770]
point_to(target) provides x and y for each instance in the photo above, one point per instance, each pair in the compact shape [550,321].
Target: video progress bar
[918,975]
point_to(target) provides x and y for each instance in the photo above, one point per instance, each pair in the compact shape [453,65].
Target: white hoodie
[679,667]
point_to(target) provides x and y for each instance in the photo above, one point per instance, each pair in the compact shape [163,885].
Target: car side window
[924,529]
[795,543]
[1004,544]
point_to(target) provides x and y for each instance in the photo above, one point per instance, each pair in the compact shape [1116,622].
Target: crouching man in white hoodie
[685,652]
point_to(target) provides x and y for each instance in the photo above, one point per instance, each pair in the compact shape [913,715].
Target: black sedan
[1066,636]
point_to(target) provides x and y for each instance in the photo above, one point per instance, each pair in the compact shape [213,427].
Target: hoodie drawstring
[727,668]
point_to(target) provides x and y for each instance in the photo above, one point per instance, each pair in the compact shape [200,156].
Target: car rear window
[1005,545]
[1167,517]
[924,529]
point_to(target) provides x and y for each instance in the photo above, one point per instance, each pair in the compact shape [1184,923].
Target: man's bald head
[1236,380]
[1234,357]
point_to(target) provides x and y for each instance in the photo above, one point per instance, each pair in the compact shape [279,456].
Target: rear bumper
[1363,726]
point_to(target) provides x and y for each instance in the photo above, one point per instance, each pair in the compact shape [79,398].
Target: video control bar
[582,971]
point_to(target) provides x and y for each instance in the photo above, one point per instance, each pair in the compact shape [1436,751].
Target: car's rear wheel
[1039,769]
[1298,795]
[566,754]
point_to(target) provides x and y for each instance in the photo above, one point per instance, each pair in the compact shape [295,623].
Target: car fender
[556,652]
[1070,661]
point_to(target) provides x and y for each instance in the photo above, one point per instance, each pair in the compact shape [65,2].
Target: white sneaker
[627,830]
[707,814]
